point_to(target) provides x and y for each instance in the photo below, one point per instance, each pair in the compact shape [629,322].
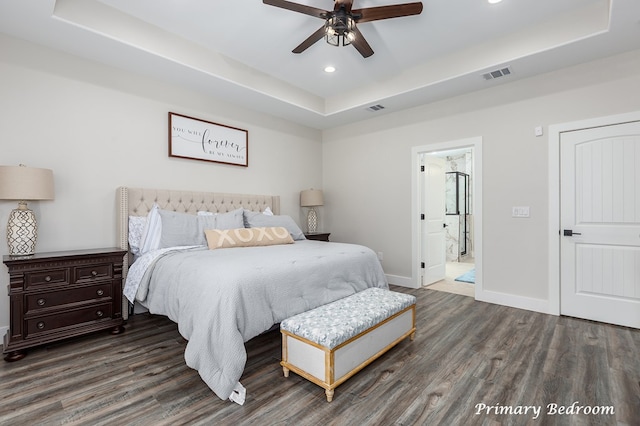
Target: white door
[433,208]
[600,224]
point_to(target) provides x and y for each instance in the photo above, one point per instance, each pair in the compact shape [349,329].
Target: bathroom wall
[458,161]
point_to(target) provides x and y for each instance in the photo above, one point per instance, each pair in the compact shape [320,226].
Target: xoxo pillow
[247,237]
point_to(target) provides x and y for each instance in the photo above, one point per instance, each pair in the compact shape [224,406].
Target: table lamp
[24,183]
[311,198]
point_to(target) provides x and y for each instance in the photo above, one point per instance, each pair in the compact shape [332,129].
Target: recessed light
[329,69]
[494,1]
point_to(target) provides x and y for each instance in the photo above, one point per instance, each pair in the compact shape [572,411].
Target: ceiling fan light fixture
[339,30]
[350,35]
[339,27]
[332,38]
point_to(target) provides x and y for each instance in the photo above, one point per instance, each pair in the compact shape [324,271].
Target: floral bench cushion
[332,324]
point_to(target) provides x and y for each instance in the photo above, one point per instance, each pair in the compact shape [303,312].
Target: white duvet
[222,298]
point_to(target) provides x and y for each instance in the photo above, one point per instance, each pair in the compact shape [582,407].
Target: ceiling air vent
[375,108]
[497,73]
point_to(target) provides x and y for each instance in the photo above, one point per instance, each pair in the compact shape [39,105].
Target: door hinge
[422,168]
[422,265]
[421,216]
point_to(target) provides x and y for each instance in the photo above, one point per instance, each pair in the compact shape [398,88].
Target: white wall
[367,167]
[98,128]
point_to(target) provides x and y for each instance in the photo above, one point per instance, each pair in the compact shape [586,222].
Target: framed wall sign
[203,140]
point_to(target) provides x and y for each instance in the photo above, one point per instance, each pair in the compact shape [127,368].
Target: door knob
[569,233]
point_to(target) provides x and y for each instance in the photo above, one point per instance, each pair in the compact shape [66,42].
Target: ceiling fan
[340,23]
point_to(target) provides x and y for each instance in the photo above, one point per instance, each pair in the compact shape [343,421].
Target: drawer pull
[100,292]
[100,314]
[40,325]
[94,273]
[41,302]
[47,278]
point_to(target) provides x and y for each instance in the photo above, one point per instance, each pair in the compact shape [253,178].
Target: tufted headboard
[138,202]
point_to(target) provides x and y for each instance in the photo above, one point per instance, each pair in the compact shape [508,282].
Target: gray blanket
[222,298]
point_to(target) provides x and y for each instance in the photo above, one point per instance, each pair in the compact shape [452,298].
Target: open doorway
[462,219]
[459,245]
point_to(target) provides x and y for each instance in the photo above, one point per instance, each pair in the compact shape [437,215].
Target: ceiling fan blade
[310,40]
[347,5]
[301,8]
[361,44]
[385,12]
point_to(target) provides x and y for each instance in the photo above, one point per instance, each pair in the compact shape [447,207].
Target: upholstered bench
[331,343]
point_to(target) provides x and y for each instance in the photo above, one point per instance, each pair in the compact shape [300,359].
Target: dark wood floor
[465,353]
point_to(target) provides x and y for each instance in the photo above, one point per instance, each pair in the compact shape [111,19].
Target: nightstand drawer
[53,322]
[93,272]
[45,301]
[48,277]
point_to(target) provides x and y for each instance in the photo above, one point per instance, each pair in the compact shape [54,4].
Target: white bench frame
[329,368]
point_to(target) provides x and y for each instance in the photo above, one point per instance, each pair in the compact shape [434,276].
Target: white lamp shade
[311,198]
[25,183]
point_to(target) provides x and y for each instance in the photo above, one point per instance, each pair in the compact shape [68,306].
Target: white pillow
[152,231]
[268,211]
[136,229]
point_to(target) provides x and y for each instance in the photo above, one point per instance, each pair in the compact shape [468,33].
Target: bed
[222,297]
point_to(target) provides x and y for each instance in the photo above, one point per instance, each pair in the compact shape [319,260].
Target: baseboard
[4,330]
[401,281]
[504,299]
[513,301]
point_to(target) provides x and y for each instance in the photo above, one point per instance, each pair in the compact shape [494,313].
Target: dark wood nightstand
[318,236]
[58,295]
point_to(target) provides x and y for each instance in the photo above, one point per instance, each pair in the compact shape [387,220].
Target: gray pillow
[229,220]
[180,229]
[257,220]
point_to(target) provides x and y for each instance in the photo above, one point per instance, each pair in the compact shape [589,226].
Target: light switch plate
[520,211]
[537,130]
